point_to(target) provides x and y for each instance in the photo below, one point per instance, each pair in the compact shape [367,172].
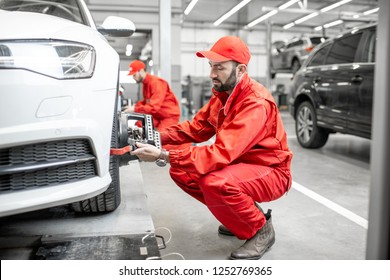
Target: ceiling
[206,12]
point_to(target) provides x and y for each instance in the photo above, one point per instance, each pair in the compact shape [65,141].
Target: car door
[290,53]
[321,79]
[361,98]
[335,84]
[276,54]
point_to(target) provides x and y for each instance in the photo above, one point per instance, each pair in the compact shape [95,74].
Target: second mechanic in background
[158,98]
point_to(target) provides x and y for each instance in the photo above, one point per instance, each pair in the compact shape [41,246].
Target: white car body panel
[36,108]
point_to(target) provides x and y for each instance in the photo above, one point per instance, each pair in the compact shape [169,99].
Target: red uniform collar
[147,78]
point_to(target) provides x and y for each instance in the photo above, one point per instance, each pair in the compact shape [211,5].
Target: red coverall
[158,101]
[249,160]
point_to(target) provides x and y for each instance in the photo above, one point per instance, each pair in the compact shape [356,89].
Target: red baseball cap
[228,48]
[135,66]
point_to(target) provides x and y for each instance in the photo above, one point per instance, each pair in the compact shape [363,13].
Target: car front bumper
[35,110]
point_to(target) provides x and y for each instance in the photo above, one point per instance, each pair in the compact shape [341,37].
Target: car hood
[27,25]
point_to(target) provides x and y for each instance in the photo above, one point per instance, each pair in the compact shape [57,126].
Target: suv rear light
[309,49]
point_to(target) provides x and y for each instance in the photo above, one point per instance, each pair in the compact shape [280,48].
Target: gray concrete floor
[306,228]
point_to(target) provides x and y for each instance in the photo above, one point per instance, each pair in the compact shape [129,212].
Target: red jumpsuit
[158,101]
[249,160]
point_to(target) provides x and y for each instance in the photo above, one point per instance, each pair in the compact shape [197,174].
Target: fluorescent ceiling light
[262,18]
[305,18]
[335,5]
[271,13]
[288,4]
[231,12]
[370,11]
[190,7]
[333,23]
[289,25]
[327,25]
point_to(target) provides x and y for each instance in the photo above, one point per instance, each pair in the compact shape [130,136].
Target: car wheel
[295,66]
[308,133]
[110,199]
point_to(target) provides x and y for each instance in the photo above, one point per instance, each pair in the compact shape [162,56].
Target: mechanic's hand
[128,109]
[146,152]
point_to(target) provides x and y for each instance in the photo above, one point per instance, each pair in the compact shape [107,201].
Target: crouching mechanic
[248,163]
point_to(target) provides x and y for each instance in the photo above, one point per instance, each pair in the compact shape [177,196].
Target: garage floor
[324,215]
[59,233]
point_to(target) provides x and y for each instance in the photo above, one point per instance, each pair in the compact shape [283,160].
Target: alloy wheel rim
[305,124]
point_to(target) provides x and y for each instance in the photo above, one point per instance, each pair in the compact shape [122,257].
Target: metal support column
[378,244]
[268,48]
[165,40]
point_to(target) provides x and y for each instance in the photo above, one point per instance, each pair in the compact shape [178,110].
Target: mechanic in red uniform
[248,163]
[158,98]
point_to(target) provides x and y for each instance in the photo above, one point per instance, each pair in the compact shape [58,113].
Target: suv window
[319,57]
[344,50]
[296,43]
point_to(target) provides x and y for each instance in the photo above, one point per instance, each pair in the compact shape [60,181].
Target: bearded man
[249,161]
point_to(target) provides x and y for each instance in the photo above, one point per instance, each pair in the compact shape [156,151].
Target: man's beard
[228,85]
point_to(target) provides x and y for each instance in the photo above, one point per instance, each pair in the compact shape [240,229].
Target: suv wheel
[308,133]
[110,199]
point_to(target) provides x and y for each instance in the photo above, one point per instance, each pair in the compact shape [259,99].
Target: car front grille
[46,164]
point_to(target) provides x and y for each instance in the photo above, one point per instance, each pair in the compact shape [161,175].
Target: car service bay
[70,190]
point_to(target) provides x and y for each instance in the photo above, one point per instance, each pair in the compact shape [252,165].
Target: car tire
[309,135]
[110,199]
[295,65]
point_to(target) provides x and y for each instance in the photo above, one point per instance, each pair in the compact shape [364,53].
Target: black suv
[333,91]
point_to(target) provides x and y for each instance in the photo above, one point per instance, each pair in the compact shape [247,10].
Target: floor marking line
[331,205]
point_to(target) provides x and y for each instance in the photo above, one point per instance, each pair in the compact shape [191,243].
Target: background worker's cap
[135,66]
[228,48]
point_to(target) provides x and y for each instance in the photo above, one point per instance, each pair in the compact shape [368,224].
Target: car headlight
[54,58]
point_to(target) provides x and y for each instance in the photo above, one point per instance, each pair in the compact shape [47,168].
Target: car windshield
[67,9]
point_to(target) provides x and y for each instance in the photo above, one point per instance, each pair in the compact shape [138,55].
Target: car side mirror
[114,26]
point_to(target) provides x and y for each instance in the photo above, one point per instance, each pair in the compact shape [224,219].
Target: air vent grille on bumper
[46,164]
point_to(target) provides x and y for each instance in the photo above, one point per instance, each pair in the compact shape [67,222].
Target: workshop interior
[71,190]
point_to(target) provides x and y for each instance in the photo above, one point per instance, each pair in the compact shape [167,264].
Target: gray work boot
[255,247]
[225,231]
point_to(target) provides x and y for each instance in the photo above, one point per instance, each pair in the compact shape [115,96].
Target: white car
[58,107]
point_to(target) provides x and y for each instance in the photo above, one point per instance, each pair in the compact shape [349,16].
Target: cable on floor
[163,245]
[166,255]
[170,235]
